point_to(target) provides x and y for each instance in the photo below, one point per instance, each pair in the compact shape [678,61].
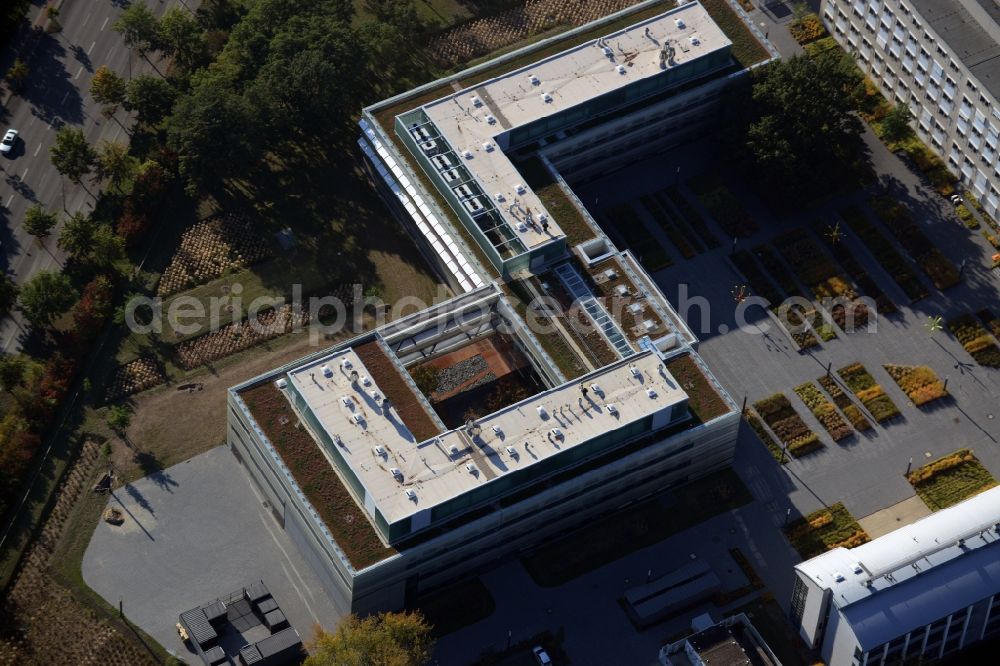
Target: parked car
[8,142]
[541,656]
[955,199]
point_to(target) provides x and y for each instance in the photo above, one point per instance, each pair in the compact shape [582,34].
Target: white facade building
[941,58]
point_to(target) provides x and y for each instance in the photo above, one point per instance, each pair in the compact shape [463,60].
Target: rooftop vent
[327,372]
[511,451]
[610,274]
[542,413]
[651,393]
[453,450]
[608,52]
[488,146]
[612,409]
[467,154]
[366,380]
[522,227]
[635,371]
[649,325]
[621,290]
[556,433]
[520,189]
[634,308]
[839,577]
[491,119]
[358,419]
[858,569]
[695,41]
[397,473]
[379,450]
[497,431]
[346,364]
[411,494]
[534,79]
[346,401]
[679,23]
[621,69]
[376,397]
[596,388]
[471,469]
[546,97]
[280,384]
[476,102]
[499,197]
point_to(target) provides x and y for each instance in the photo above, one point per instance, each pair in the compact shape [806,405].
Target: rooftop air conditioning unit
[346,364]
[280,384]
[376,397]
[621,290]
[522,227]
[596,388]
[542,413]
[327,372]
[608,52]
[476,102]
[556,433]
[636,372]
[838,577]
[411,494]
[471,469]
[488,146]
[520,189]
[453,450]
[858,569]
[499,197]
[511,451]
[651,393]
[491,119]
[695,41]
[649,325]
[357,418]
[546,97]
[534,79]
[467,154]
[397,473]
[497,431]
[679,23]
[621,69]
[366,380]
[346,401]
[612,409]
[634,308]
[379,451]
[610,274]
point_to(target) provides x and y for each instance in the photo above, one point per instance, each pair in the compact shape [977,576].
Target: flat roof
[555,84]
[353,414]
[975,42]
[915,571]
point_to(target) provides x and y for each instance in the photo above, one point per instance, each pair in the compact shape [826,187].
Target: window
[798,605]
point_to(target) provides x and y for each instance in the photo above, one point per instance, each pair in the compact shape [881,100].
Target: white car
[541,656]
[9,141]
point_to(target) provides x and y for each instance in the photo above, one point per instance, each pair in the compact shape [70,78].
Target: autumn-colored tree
[386,639]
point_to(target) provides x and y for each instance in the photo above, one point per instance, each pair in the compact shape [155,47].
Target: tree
[108,88]
[17,74]
[38,222]
[46,296]
[12,371]
[150,97]
[107,249]
[119,419]
[77,236]
[386,639]
[71,155]
[181,37]
[896,124]
[114,163]
[139,28]
[8,294]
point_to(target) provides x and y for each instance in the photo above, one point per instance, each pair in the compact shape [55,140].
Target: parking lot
[192,533]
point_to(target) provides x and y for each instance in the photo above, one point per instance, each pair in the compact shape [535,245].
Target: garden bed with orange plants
[920,384]
[950,479]
[857,418]
[210,248]
[807,29]
[976,340]
[778,413]
[869,392]
[824,411]
[825,530]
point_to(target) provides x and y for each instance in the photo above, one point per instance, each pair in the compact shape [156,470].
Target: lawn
[825,530]
[950,479]
[625,531]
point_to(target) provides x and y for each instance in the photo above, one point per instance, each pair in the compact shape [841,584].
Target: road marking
[78,73]
[64,97]
[8,201]
[25,174]
[92,45]
[89,14]
[117,132]
[105,24]
[37,149]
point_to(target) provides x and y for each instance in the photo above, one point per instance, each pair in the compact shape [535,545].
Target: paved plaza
[192,533]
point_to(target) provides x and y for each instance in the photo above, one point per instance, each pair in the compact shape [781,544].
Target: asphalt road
[56,93]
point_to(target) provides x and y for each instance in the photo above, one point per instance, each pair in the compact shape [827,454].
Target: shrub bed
[680,237]
[950,479]
[885,253]
[210,248]
[824,411]
[857,272]
[976,340]
[785,422]
[991,321]
[857,418]
[765,437]
[796,315]
[134,377]
[897,218]
[704,401]
[966,216]
[725,208]
[651,254]
[825,530]
[689,214]
[918,382]
[807,29]
[869,392]
[238,336]
[761,285]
